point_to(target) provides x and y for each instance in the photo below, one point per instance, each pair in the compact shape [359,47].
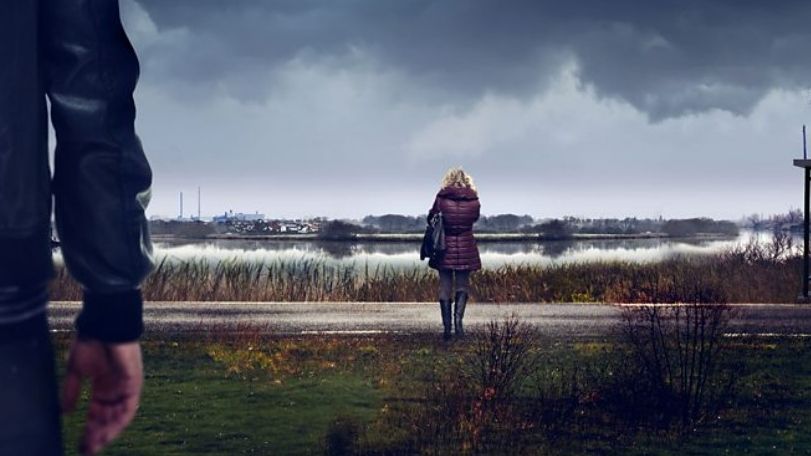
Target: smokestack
[181,205]
[198,203]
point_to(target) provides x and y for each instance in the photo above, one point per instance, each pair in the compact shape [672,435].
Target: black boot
[445,308]
[459,312]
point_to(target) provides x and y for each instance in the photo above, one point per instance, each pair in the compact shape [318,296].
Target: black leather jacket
[75,53]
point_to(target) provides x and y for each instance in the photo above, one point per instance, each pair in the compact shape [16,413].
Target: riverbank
[746,274]
[417,237]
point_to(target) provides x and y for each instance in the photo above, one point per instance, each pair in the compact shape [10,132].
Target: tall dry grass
[760,273]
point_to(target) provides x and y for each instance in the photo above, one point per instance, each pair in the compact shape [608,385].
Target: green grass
[249,394]
[770,412]
[191,405]
[773,412]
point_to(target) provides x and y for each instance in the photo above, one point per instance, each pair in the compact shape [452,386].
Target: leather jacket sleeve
[102,179]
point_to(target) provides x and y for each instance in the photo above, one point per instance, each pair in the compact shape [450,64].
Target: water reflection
[406,254]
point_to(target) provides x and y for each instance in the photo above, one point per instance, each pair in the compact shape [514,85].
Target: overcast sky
[592,108]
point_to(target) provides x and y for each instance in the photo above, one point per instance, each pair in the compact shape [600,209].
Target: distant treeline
[395,223]
[689,227]
[790,221]
[561,228]
[502,223]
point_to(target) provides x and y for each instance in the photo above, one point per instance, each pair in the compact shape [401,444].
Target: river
[406,255]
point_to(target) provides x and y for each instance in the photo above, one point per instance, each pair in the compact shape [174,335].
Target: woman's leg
[460,298]
[445,284]
[445,287]
[463,281]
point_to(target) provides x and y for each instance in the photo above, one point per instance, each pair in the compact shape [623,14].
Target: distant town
[236,223]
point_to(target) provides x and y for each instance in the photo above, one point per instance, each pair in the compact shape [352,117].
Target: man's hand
[115,372]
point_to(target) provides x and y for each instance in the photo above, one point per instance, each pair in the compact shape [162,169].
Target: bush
[691,227]
[501,358]
[553,229]
[338,229]
[672,374]
[477,404]
[505,395]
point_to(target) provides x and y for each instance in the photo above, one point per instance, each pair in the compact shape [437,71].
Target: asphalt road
[559,320]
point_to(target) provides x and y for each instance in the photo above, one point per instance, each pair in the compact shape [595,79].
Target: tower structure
[805,164]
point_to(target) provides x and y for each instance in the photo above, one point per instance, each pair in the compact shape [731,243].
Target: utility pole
[805,163]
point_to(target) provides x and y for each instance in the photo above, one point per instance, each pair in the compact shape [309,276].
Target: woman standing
[458,202]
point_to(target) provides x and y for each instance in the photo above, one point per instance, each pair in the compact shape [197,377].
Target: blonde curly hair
[457,177]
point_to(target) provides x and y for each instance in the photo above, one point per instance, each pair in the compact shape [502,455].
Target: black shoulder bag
[433,242]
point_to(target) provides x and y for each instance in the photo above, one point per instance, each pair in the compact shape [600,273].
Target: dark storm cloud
[666,58]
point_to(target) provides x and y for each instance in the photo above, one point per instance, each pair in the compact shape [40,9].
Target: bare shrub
[781,245]
[673,373]
[778,249]
[476,404]
[501,357]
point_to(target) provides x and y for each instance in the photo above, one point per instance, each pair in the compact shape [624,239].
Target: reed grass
[751,273]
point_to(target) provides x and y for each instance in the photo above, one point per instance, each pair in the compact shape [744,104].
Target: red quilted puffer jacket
[460,210]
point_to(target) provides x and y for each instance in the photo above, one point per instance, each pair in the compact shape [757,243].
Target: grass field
[254,394]
[193,404]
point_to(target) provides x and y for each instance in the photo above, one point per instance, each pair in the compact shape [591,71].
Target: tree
[339,229]
[556,229]
[693,226]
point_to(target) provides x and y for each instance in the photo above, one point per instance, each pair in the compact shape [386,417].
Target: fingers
[95,438]
[129,409]
[106,420]
[116,376]
[95,435]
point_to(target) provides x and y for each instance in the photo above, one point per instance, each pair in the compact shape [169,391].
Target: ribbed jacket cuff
[111,317]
